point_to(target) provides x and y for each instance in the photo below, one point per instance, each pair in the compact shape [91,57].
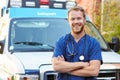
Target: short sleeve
[59,47]
[95,51]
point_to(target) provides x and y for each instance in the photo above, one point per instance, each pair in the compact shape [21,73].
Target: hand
[58,60]
[86,64]
[61,58]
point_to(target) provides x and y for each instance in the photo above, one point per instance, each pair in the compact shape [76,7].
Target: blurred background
[105,14]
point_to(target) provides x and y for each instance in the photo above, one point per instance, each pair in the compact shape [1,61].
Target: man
[77,56]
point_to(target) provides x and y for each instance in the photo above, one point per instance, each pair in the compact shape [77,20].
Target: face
[76,21]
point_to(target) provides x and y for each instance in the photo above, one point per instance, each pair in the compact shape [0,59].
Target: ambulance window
[92,31]
[36,34]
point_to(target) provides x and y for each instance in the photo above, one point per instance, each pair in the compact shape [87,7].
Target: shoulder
[91,40]
[60,44]
[63,39]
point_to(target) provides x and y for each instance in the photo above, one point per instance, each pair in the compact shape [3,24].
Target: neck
[77,37]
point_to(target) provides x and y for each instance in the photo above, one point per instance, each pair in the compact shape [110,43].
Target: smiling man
[77,56]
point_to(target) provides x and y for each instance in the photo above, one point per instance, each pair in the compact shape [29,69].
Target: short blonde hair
[77,8]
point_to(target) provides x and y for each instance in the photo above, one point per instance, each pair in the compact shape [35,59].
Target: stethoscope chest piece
[81,57]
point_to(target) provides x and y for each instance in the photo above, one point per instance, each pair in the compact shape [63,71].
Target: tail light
[44,2]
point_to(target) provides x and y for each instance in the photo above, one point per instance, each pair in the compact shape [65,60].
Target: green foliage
[111,19]
[119,52]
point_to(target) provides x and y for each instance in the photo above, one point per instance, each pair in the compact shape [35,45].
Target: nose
[76,21]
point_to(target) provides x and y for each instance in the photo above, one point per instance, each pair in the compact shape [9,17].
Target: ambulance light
[16,3]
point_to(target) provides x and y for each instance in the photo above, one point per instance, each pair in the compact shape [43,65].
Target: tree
[111,19]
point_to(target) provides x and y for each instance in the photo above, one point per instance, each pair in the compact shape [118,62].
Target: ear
[67,19]
[84,20]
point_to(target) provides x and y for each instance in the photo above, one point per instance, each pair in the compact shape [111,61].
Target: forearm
[64,67]
[92,70]
[69,66]
[86,72]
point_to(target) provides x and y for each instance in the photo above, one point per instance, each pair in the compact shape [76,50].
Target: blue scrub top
[71,50]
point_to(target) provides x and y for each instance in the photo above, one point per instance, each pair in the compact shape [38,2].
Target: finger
[62,57]
[59,57]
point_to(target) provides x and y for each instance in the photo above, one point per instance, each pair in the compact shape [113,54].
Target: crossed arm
[84,69]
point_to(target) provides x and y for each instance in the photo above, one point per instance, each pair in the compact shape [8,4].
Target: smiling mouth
[77,27]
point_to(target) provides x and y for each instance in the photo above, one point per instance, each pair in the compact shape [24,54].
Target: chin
[77,32]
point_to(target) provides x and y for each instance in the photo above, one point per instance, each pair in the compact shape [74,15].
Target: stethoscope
[71,52]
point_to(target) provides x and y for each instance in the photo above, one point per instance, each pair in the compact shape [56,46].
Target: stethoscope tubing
[71,52]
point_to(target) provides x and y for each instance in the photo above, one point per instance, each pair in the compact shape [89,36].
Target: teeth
[77,27]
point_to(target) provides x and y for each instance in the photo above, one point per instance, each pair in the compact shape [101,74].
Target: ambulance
[31,32]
